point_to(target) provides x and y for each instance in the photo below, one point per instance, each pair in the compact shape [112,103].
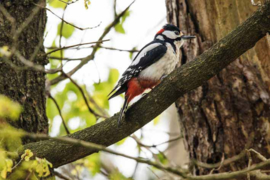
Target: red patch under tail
[135,87]
[138,86]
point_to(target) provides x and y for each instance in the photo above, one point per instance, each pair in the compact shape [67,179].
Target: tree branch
[181,81]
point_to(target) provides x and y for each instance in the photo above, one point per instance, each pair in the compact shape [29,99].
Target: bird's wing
[148,55]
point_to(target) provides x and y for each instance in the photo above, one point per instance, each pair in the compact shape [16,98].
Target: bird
[151,65]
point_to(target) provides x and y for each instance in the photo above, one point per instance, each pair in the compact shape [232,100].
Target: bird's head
[172,33]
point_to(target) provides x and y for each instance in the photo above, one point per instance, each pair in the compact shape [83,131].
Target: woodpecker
[153,62]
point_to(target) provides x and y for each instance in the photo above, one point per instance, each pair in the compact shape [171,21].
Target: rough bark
[181,81]
[24,86]
[232,109]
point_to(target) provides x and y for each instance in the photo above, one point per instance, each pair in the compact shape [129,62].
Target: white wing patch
[143,53]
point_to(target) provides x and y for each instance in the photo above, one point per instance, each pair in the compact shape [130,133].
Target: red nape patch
[160,31]
[138,86]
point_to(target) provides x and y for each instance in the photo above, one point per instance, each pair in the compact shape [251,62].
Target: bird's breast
[163,66]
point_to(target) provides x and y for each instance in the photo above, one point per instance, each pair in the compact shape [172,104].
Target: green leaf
[113,76]
[86,3]
[51,109]
[67,30]
[119,28]
[58,4]
[162,158]
[121,142]
[127,14]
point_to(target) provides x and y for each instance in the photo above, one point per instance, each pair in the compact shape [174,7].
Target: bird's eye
[176,32]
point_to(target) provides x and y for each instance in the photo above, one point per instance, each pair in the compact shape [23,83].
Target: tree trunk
[231,111]
[24,85]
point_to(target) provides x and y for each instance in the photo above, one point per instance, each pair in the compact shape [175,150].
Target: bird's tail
[123,110]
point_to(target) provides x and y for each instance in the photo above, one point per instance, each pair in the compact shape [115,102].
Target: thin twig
[84,97]
[66,59]
[225,162]
[82,29]
[117,49]
[9,18]
[103,47]
[68,3]
[259,155]
[249,163]
[155,145]
[31,65]
[59,111]
[61,35]
[81,44]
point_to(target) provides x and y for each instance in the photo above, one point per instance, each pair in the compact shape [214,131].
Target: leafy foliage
[57,4]
[38,167]
[86,3]
[119,27]
[67,30]
[9,109]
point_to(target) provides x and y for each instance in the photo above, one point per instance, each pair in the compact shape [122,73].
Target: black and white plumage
[153,62]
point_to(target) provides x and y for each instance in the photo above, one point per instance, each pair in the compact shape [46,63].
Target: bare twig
[82,29]
[31,65]
[92,55]
[155,145]
[81,44]
[66,59]
[249,163]
[59,110]
[9,18]
[225,162]
[61,34]
[259,155]
[220,166]
[117,49]
[68,3]
[103,47]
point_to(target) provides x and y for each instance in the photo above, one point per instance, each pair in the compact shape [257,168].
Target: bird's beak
[188,37]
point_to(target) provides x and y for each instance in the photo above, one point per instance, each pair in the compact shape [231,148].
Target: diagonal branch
[181,81]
